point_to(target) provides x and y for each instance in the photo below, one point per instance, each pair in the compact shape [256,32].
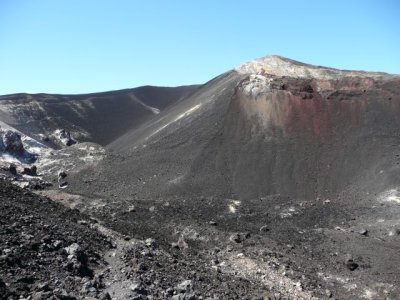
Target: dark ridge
[96,117]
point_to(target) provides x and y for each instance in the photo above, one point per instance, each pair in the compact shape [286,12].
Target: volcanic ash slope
[271,126]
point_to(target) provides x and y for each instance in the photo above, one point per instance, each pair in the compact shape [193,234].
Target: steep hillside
[272,126]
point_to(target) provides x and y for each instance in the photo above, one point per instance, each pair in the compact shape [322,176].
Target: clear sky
[78,46]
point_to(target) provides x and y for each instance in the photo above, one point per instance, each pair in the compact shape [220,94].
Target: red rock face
[307,116]
[321,117]
[320,109]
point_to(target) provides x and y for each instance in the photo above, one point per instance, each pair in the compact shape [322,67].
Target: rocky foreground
[51,252]
[47,251]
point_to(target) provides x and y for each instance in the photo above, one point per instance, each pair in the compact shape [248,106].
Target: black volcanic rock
[12,143]
[31,171]
[65,137]
[32,231]
[2,146]
[13,169]
[3,289]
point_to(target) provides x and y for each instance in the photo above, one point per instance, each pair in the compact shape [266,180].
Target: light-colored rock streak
[181,116]
[391,195]
[154,110]
[252,269]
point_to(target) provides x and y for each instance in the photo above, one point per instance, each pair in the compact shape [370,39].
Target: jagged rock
[64,137]
[138,287]
[61,175]
[328,293]
[57,244]
[178,297]
[235,238]
[104,296]
[169,291]
[350,263]
[72,249]
[181,244]
[39,184]
[44,286]
[151,243]
[32,171]
[44,138]
[63,185]
[184,286]
[13,143]
[2,146]
[41,295]
[13,169]
[239,237]
[87,287]
[63,295]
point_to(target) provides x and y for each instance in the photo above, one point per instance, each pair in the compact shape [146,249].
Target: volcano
[275,179]
[271,126]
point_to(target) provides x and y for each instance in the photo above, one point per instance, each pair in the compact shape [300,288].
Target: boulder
[63,185]
[72,249]
[178,297]
[184,286]
[151,243]
[13,169]
[239,237]
[12,143]
[2,146]
[32,171]
[64,137]
[44,138]
[61,175]
[350,263]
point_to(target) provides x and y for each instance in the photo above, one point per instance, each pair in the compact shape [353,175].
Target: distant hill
[97,117]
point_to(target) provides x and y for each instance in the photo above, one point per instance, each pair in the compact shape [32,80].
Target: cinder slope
[97,117]
[273,126]
[158,155]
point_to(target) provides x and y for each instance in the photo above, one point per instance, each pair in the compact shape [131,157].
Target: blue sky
[79,46]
